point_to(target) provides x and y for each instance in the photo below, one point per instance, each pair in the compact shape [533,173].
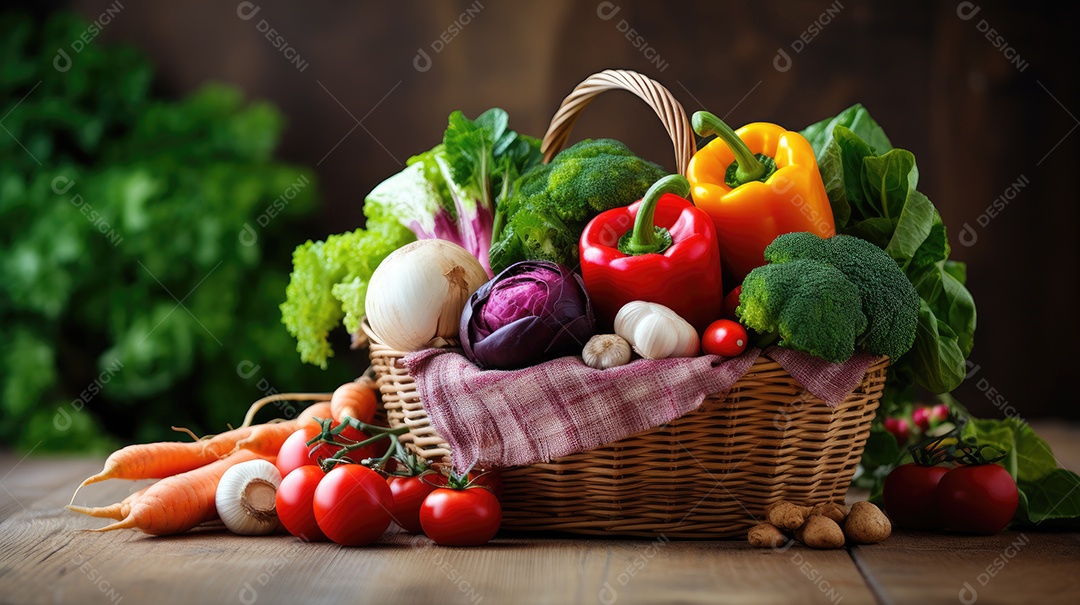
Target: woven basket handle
[669,110]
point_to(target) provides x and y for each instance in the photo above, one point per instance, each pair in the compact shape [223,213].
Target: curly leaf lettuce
[329,283]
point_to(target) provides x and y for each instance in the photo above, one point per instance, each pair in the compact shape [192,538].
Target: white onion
[418,292]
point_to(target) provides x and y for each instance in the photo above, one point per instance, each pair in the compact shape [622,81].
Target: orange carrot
[180,502]
[115,511]
[160,460]
[266,439]
[355,400]
[316,410]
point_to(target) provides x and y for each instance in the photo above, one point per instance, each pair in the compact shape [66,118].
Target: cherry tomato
[294,503]
[977,499]
[731,301]
[461,517]
[911,496]
[352,505]
[724,337]
[409,494]
[295,452]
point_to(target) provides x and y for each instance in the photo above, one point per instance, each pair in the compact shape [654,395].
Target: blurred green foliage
[114,205]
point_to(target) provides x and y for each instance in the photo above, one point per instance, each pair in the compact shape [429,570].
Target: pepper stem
[646,237]
[747,166]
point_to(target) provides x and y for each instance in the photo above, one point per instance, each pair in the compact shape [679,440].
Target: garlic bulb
[655,331]
[417,293]
[246,498]
[605,351]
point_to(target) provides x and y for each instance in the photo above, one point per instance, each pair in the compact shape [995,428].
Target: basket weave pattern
[708,474]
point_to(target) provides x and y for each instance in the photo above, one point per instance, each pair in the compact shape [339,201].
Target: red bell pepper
[670,256]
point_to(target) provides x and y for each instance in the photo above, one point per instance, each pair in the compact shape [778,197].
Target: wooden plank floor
[45,559]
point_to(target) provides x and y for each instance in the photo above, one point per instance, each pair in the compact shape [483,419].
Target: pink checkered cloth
[499,419]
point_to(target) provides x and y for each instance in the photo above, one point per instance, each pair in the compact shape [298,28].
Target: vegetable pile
[816,241]
[823,526]
[329,474]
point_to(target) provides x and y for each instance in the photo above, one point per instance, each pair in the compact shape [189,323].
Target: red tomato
[731,301]
[977,499]
[725,338]
[294,503]
[352,505]
[911,496]
[461,517]
[409,494]
[295,452]
[489,479]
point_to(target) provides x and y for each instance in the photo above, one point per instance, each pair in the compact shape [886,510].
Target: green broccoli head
[889,301]
[549,205]
[811,305]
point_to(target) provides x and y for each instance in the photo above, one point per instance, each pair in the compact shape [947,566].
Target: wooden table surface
[45,559]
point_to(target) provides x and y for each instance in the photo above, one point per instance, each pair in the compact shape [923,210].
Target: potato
[866,524]
[785,515]
[765,535]
[820,532]
[832,510]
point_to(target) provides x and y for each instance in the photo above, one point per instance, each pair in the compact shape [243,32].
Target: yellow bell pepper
[756,183]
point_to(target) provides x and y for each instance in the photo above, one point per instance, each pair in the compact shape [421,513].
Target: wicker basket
[708,474]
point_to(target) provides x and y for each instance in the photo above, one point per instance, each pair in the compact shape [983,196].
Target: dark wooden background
[976,121]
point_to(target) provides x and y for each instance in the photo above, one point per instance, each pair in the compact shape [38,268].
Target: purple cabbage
[531,312]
